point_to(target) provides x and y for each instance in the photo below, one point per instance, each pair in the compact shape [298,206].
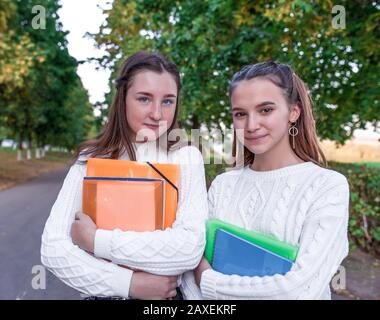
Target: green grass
[50,155]
[8,150]
[57,156]
[369,164]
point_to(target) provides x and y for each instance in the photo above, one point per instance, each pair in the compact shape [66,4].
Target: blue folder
[234,255]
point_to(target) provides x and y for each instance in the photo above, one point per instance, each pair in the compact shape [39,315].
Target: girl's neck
[276,158]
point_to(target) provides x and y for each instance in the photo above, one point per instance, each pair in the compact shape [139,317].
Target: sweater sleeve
[72,265]
[323,246]
[211,197]
[189,288]
[174,250]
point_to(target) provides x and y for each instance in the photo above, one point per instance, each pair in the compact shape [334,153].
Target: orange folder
[132,169]
[127,204]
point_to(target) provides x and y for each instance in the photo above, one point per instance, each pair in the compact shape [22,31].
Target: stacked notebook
[234,250]
[131,196]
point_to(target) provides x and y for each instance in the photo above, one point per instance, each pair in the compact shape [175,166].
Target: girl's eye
[143,99]
[168,102]
[238,114]
[266,110]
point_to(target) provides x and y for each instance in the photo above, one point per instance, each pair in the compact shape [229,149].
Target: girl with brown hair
[283,189]
[144,110]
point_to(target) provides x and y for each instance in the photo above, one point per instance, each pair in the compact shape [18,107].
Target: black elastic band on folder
[162,175]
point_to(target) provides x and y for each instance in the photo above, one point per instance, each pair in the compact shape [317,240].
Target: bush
[212,170]
[364,221]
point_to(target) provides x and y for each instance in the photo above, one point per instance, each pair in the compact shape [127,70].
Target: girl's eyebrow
[238,109]
[169,95]
[145,93]
[265,103]
[261,104]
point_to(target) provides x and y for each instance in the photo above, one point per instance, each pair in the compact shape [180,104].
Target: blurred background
[58,61]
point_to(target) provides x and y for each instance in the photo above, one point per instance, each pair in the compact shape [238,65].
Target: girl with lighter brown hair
[283,189]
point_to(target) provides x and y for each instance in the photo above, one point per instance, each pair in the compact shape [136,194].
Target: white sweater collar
[147,151]
[278,173]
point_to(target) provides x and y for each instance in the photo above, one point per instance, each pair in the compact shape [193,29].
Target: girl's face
[151,104]
[259,108]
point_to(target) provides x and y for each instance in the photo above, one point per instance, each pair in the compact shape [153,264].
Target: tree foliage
[211,40]
[42,99]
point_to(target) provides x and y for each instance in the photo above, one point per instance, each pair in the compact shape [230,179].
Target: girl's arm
[174,250]
[75,267]
[323,246]
[189,287]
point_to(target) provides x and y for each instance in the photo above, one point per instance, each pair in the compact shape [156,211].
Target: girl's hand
[147,286]
[203,265]
[83,232]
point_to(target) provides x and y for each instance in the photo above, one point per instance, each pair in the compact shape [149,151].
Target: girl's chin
[152,138]
[257,149]
[146,135]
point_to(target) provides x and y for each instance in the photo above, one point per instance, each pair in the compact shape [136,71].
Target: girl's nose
[156,112]
[252,124]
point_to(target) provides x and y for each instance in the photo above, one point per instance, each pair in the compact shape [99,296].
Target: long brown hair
[115,136]
[295,92]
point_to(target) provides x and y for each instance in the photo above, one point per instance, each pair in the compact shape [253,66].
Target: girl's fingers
[173,283]
[172,294]
[77,215]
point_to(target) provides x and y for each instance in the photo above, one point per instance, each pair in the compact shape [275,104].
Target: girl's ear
[295,112]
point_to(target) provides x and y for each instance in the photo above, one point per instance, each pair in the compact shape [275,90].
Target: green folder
[270,243]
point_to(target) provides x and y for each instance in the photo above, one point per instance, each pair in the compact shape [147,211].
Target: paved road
[24,210]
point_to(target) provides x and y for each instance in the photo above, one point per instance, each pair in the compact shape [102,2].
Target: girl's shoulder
[84,155]
[229,176]
[330,176]
[80,163]
[326,185]
[186,155]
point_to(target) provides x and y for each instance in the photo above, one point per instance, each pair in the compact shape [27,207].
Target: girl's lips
[254,139]
[152,126]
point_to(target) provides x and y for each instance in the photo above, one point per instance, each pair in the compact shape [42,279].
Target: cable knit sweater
[169,252]
[302,204]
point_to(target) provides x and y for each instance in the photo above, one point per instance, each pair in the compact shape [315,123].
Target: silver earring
[293,131]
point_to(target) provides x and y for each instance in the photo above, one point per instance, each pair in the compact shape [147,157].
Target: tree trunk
[28,154]
[38,153]
[195,122]
[19,155]
[19,150]
[29,151]
[38,148]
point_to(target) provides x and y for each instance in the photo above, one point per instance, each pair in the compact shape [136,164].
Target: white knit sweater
[301,204]
[169,252]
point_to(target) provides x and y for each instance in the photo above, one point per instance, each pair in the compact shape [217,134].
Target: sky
[81,16]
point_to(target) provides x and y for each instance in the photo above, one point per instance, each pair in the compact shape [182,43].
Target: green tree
[49,105]
[76,122]
[16,50]
[210,40]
